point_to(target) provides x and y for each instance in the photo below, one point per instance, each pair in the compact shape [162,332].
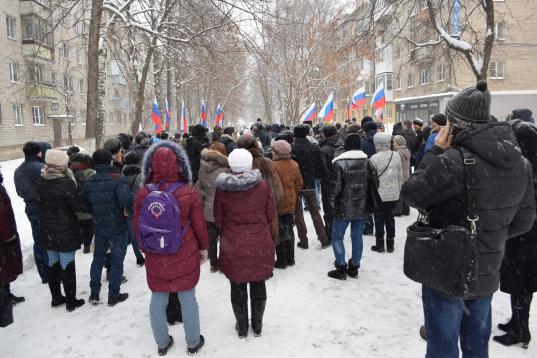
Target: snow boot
[352,270]
[194,350]
[290,252]
[55,285]
[519,332]
[140,261]
[241,315]
[379,246]
[69,286]
[163,351]
[15,300]
[326,244]
[506,327]
[390,241]
[258,310]
[173,309]
[340,273]
[303,245]
[281,257]
[114,300]
[94,299]
[87,249]
[6,307]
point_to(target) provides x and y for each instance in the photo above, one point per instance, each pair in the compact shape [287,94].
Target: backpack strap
[174,186]
[151,187]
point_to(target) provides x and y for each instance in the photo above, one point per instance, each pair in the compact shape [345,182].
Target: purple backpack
[159,223]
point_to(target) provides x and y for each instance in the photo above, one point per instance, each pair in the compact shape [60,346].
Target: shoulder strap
[151,187]
[387,166]
[174,186]
[471,187]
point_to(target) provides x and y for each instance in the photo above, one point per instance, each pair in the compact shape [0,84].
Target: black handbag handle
[471,188]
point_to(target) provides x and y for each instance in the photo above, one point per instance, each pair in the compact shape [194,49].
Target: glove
[204,255]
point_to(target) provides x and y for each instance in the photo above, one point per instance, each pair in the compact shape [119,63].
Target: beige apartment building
[425,78]
[43,74]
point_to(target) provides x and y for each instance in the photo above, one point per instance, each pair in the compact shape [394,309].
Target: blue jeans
[40,254]
[132,240]
[63,257]
[317,197]
[448,318]
[118,248]
[191,317]
[338,232]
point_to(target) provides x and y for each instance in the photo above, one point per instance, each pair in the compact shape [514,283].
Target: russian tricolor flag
[219,115]
[184,118]
[167,113]
[203,114]
[358,98]
[379,98]
[156,117]
[310,114]
[327,112]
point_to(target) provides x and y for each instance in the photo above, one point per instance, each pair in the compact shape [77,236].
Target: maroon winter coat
[166,162]
[243,210]
[10,250]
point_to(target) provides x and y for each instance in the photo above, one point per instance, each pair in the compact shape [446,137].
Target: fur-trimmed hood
[239,182]
[351,154]
[162,166]
[212,160]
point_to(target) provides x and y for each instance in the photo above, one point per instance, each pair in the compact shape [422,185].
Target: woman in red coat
[10,257]
[243,210]
[166,163]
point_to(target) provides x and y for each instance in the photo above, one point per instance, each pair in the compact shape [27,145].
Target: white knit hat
[240,160]
[57,158]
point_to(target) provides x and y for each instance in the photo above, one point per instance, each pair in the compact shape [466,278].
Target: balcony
[422,54]
[35,7]
[118,79]
[37,38]
[42,91]
[120,103]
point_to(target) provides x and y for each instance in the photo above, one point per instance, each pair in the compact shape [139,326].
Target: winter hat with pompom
[56,158]
[470,107]
[240,160]
[281,148]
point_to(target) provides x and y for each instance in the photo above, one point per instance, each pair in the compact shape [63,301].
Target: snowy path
[308,314]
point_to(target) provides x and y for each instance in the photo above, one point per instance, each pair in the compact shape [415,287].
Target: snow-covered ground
[308,314]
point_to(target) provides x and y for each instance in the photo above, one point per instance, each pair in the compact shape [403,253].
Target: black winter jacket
[227,140]
[367,145]
[58,204]
[505,202]
[519,267]
[330,148]
[353,175]
[194,146]
[310,161]
[25,178]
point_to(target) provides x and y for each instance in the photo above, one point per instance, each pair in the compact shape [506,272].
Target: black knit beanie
[301,131]
[102,157]
[353,142]
[470,107]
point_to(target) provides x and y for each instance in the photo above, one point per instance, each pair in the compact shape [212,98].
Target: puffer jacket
[243,209]
[310,160]
[167,163]
[289,175]
[505,196]
[59,202]
[26,176]
[330,148]
[389,168]
[353,176]
[213,163]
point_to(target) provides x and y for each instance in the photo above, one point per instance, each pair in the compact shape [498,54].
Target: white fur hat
[240,160]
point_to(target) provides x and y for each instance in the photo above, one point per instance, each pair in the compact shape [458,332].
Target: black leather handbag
[445,259]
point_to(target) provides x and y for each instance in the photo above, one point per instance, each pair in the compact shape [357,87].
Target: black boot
[241,315]
[303,245]
[55,286]
[173,310]
[352,270]
[519,324]
[258,309]
[379,246]
[340,273]
[506,327]
[281,259]
[389,244]
[290,252]
[69,286]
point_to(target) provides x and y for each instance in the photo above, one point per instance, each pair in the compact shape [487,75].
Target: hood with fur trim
[350,154]
[212,160]
[239,182]
[166,161]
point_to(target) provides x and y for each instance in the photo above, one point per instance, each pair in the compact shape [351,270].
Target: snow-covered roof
[434,95]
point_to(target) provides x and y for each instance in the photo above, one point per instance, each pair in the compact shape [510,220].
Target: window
[423,4]
[398,83]
[68,83]
[500,31]
[118,117]
[389,112]
[37,29]
[38,116]
[497,69]
[425,76]
[440,72]
[389,81]
[82,117]
[79,27]
[81,86]
[65,51]
[17,114]
[11,29]
[34,74]
[14,72]
[379,80]
[410,80]
[116,93]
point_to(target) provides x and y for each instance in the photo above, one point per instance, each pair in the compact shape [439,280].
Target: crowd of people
[233,197]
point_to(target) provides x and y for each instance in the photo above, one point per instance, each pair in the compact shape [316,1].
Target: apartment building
[43,73]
